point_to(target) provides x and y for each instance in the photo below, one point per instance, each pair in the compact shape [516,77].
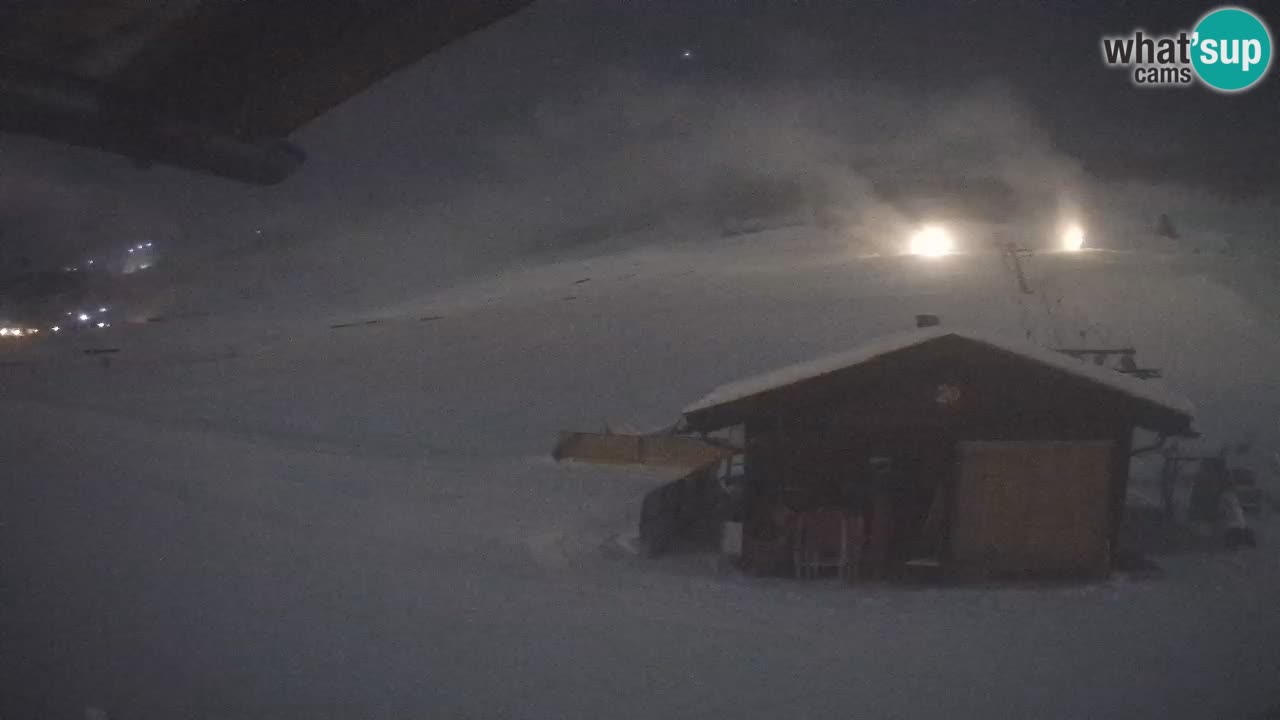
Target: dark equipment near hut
[1221,495]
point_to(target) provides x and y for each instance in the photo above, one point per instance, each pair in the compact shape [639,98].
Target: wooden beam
[1120,460]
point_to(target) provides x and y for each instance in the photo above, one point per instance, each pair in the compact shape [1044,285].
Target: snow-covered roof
[1141,389]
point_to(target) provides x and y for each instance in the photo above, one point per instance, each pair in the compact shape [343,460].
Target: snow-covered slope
[302,520]
[632,337]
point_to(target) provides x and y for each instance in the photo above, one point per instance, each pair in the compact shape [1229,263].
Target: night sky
[559,86]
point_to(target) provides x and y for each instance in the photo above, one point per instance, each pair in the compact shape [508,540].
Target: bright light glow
[55,328]
[1073,238]
[148,244]
[102,325]
[931,241]
[33,331]
[144,266]
[90,262]
[102,309]
[83,318]
[130,249]
[4,331]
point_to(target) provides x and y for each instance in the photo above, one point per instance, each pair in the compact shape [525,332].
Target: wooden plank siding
[1033,508]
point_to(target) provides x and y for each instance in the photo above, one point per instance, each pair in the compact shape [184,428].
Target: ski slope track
[355,515]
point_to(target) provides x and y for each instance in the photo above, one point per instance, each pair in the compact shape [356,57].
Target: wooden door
[1032,508]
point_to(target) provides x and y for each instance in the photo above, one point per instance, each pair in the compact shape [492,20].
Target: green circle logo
[1231,49]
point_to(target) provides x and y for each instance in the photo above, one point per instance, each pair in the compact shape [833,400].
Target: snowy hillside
[306,471]
[331,517]
[631,337]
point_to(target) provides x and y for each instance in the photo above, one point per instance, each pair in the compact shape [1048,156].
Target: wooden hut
[949,451]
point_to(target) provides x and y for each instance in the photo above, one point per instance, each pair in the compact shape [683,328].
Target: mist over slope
[481,212]
[500,364]
[617,167]
[628,162]
[383,215]
[503,151]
